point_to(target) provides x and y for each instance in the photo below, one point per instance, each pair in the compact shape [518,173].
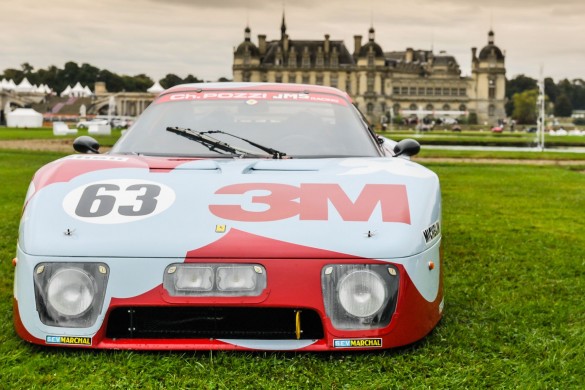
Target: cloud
[157,37]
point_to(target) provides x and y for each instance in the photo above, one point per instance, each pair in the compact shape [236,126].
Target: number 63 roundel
[118,201]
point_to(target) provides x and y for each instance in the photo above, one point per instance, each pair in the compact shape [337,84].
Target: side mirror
[86,144]
[406,147]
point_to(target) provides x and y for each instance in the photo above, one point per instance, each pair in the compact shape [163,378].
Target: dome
[371,45]
[378,52]
[247,45]
[491,49]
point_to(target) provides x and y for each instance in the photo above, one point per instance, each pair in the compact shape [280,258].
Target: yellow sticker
[68,340]
[220,228]
[357,343]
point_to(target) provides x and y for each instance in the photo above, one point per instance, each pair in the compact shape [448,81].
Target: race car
[233,216]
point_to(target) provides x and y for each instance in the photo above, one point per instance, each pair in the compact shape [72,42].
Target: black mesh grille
[212,322]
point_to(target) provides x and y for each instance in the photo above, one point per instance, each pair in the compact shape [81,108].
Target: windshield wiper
[275,153]
[211,143]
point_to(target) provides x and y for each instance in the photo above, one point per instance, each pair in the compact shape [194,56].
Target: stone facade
[382,84]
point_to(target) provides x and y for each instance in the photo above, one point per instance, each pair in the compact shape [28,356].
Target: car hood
[121,206]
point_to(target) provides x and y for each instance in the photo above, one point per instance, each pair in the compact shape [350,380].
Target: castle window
[306,61]
[430,91]
[396,91]
[462,92]
[412,90]
[319,61]
[370,85]
[334,58]
[438,91]
[446,91]
[462,107]
[278,78]
[421,90]
[306,78]
[348,83]
[333,80]
[404,91]
[492,89]
[446,107]
[491,110]
[453,91]
[370,108]
[396,109]
[413,107]
[319,79]
[429,107]
[292,59]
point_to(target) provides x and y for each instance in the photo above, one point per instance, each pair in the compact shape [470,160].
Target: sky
[198,37]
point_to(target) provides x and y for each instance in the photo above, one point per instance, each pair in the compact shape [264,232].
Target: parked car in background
[497,129]
[233,216]
[86,123]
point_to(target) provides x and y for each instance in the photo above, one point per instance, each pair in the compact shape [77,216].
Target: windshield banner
[252,97]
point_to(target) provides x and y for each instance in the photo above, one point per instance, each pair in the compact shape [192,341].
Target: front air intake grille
[213,322]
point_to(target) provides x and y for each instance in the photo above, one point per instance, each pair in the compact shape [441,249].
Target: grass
[499,155]
[10,133]
[514,313]
[485,138]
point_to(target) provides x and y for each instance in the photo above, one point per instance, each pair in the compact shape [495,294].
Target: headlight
[71,291]
[362,293]
[193,278]
[214,280]
[360,296]
[70,294]
[236,278]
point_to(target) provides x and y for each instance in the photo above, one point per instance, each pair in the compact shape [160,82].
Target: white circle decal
[118,201]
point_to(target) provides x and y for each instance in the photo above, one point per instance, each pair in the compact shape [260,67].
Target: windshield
[298,125]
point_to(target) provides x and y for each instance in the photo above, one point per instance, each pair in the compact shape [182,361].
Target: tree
[114,83]
[516,85]
[191,79]
[525,106]
[27,68]
[86,74]
[170,80]
[550,89]
[563,106]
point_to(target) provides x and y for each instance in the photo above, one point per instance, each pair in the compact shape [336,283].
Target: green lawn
[514,312]
[485,138]
[10,133]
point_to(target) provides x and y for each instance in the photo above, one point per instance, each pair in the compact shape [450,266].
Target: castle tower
[489,82]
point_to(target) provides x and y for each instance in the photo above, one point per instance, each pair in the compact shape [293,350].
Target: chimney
[409,55]
[357,44]
[326,44]
[262,44]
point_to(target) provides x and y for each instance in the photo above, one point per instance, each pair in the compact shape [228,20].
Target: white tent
[4,85]
[156,88]
[24,117]
[66,92]
[87,92]
[77,90]
[25,86]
